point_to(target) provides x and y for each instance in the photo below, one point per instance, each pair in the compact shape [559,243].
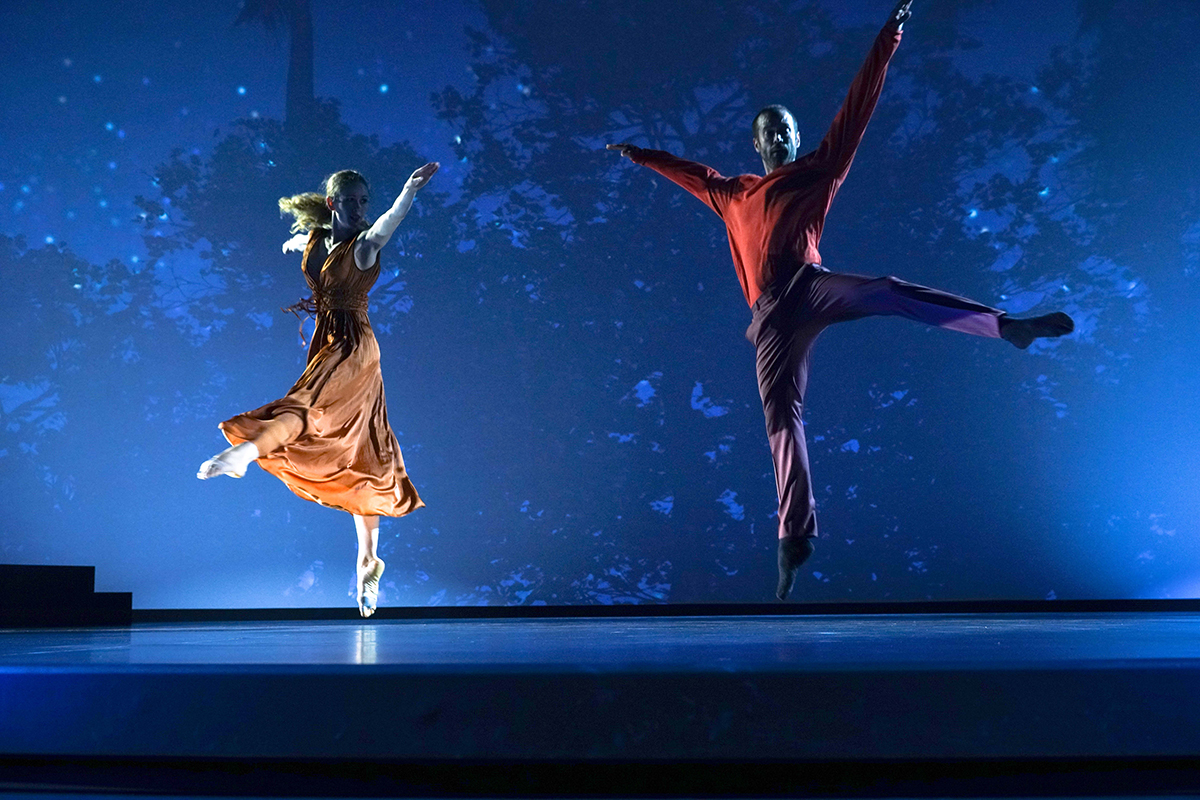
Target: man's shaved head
[775,137]
[773,111]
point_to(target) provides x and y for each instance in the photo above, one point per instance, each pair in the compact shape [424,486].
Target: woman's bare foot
[368,585]
[231,461]
[1022,332]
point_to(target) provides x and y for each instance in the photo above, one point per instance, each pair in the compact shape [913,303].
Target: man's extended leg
[837,297]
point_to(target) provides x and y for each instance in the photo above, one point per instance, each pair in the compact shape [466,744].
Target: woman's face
[349,207]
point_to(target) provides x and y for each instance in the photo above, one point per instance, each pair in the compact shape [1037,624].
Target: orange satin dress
[346,456]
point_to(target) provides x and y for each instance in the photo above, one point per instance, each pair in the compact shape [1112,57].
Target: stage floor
[691,644]
[1084,689]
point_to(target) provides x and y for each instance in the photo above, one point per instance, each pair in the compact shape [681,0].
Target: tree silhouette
[297,16]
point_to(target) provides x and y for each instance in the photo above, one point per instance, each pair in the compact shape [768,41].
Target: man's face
[776,139]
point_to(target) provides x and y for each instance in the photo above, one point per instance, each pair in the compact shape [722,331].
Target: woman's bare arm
[371,242]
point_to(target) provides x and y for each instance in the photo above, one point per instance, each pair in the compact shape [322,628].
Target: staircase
[38,596]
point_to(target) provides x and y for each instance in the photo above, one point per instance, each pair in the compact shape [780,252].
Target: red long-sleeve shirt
[778,218]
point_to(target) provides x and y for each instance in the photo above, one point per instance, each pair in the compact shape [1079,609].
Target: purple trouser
[788,317]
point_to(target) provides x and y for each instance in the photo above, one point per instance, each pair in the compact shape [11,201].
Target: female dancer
[328,438]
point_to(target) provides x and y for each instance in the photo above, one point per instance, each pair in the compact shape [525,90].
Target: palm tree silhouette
[297,15]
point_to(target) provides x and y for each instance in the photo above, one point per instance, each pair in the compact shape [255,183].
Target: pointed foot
[793,552]
[231,461]
[368,586]
[1021,332]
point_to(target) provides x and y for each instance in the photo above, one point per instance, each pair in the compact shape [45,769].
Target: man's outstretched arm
[709,186]
[842,140]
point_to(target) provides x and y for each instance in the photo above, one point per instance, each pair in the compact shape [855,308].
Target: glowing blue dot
[383,88]
[1065,289]
[1035,90]
[241,90]
[1045,192]
[121,134]
[108,126]
[145,81]
[164,216]
[1053,159]
[1,187]
[1003,297]
[96,79]
[112,165]
[25,189]
[1132,284]
[50,240]
[104,204]
[134,259]
[972,214]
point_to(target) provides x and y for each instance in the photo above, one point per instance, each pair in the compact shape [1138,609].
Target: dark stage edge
[901,705]
[841,608]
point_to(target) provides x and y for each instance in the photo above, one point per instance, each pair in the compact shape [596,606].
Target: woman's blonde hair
[310,209]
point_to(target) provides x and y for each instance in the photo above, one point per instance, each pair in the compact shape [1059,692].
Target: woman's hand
[421,177]
[296,244]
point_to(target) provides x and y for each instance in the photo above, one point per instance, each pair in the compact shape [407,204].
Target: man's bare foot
[1022,332]
[231,461]
[368,586]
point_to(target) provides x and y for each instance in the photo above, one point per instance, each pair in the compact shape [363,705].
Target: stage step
[43,596]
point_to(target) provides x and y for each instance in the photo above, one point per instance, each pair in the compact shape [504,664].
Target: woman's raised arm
[371,242]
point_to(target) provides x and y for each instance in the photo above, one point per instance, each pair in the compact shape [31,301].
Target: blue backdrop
[562,330]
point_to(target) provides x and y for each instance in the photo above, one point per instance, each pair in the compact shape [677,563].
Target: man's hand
[900,14]
[422,175]
[625,147]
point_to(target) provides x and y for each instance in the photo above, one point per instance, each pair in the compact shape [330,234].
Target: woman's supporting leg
[370,566]
[234,460]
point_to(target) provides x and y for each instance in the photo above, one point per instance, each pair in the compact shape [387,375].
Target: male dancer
[774,225]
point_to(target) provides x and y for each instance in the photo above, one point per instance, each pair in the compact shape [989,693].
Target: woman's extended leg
[234,460]
[370,565]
